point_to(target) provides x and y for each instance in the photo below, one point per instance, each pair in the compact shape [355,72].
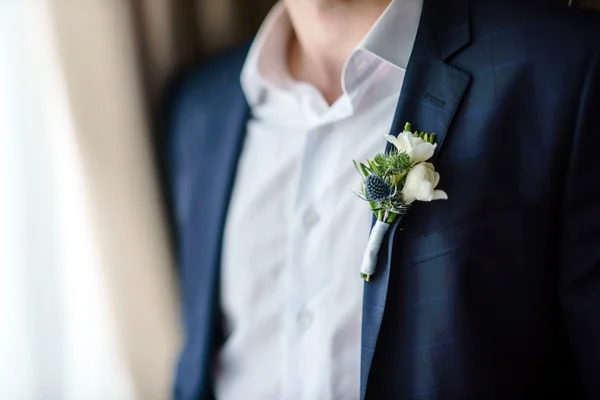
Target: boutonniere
[393,181]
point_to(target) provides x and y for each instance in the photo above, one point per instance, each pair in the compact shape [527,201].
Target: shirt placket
[297,316]
[305,217]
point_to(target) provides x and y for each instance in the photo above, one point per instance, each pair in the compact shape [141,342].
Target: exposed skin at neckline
[325,32]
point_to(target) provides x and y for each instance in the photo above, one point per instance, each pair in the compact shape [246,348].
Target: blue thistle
[376,189]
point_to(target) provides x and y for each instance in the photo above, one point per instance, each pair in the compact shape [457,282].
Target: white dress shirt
[291,290]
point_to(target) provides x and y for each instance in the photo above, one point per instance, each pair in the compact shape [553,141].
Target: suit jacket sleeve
[579,274]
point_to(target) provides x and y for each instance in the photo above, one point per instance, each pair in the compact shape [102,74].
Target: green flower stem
[392,217]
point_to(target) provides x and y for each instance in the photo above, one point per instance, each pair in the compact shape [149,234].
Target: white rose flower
[417,149]
[421,182]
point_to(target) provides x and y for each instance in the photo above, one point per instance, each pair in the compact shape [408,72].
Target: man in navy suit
[491,294]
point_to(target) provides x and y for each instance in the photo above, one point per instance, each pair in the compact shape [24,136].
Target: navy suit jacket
[492,294]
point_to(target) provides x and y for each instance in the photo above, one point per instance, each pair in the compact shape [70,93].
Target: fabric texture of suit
[492,294]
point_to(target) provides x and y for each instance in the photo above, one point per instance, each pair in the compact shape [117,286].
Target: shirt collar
[384,52]
[390,40]
[266,67]
[393,35]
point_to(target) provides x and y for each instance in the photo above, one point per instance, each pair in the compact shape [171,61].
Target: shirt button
[361,65]
[305,319]
[325,129]
[311,218]
[261,98]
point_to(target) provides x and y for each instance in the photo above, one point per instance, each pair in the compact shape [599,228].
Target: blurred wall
[175,34]
[592,4]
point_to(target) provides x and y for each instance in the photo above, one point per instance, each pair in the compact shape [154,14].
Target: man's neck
[325,33]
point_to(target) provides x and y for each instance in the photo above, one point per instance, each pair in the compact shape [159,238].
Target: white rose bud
[420,185]
[417,149]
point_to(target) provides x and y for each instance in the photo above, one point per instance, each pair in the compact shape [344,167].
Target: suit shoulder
[202,93]
[542,23]
[217,75]
[193,102]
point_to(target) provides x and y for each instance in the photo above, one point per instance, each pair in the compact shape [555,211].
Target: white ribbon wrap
[375,239]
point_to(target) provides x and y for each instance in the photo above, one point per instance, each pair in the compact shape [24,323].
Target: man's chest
[294,237]
[294,207]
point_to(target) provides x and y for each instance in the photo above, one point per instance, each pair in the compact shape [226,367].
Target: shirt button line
[311,218]
[305,319]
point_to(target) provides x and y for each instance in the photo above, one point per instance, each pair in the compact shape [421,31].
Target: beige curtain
[88,299]
[88,296]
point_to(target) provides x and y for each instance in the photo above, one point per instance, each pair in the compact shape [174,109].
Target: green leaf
[373,167]
[432,138]
[380,161]
[361,168]
[408,127]
[365,169]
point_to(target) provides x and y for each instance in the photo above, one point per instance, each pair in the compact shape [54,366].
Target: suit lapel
[431,95]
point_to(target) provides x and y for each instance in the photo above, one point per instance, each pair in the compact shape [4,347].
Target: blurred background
[88,292]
